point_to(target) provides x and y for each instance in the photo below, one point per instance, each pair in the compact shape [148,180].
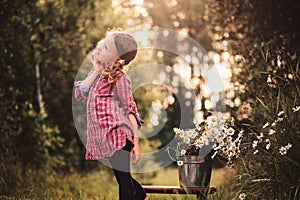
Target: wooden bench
[199,191]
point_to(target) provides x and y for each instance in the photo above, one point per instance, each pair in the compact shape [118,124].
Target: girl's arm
[98,68]
[124,93]
[82,87]
[136,149]
[135,128]
[90,79]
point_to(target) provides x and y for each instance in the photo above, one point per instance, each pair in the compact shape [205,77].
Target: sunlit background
[209,76]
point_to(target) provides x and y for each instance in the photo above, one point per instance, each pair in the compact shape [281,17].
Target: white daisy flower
[199,142]
[212,120]
[198,127]
[194,134]
[296,109]
[182,134]
[271,131]
[280,119]
[269,79]
[176,130]
[266,125]
[268,145]
[242,196]
[230,131]
[288,146]
[186,140]
[254,144]
[282,150]
[179,162]
[260,137]
[183,151]
[280,113]
[221,142]
[206,141]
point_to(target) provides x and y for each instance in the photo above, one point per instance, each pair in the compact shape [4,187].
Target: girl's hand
[98,67]
[136,152]
[97,64]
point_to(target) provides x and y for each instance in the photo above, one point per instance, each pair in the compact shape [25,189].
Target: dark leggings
[129,188]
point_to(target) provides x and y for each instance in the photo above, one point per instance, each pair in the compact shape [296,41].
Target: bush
[270,166]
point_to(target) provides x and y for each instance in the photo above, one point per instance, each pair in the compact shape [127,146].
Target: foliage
[276,138]
[43,44]
[27,141]
[263,39]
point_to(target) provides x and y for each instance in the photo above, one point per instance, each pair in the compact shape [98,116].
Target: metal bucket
[194,172]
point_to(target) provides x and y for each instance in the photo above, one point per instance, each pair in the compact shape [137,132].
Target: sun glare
[133,2]
[137,2]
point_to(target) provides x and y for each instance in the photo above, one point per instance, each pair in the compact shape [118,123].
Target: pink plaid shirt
[108,109]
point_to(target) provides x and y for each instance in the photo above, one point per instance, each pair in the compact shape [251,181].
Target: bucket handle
[170,156]
[200,159]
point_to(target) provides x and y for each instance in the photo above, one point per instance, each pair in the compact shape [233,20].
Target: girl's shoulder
[123,81]
[124,77]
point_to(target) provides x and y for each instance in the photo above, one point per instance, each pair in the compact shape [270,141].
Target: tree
[27,139]
[43,44]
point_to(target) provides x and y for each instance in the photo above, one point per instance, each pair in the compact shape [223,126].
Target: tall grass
[101,185]
[270,163]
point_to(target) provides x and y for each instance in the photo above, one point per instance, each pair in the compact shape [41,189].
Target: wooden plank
[178,189]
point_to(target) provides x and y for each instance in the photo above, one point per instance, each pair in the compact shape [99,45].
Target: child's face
[106,50]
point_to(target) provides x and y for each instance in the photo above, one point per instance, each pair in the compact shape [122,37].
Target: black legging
[129,188]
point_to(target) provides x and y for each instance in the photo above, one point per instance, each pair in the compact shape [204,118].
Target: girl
[112,117]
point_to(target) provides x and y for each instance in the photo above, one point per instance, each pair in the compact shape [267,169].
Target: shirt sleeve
[81,92]
[123,90]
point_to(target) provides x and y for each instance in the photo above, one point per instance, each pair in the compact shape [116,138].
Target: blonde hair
[127,49]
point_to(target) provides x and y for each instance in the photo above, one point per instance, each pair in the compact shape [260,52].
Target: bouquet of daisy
[215,134]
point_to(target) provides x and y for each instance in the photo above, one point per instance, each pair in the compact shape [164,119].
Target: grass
[169,176]
[101,185]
